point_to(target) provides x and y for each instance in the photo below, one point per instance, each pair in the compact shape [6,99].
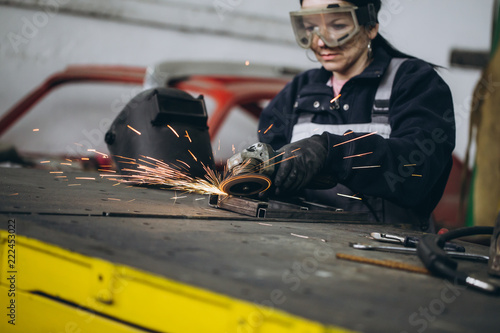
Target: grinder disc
[245,185]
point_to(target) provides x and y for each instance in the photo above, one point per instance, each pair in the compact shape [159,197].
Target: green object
[469,219]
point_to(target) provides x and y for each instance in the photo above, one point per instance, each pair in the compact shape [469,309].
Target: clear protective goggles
[335,25]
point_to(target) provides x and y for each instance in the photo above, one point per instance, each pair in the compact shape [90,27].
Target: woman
[376,120]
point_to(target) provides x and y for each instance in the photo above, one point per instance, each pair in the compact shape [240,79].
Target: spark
[69,160]
[367,167]
[233,149]
[296,235]
[349,196]
[266,224]
[247,63]
[347,133]
[172,129]
[85,159]
[415,175]
[60,177]
[13,194]
[335,98]
[359,137]
[358,155]
[44,162]
[85,178]
[78,144]
[409,165]
[131,200]
[56,172]
[194,157]
[133,129]
[270,126]
[199,199]
[187,136]
[106,170]
[187,165]
[125,158]
[36,130]
[117,184]
[74,184]
[293,151]
[66,164]
[114,199]
[97,152]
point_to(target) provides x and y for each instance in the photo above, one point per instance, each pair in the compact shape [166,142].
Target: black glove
[295,173]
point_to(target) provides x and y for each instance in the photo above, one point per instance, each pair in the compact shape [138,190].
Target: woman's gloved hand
[301,161]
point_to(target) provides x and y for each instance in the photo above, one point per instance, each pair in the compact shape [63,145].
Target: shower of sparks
[172,129]
[270,126]
[349,196]
[133,129]
[335,98]
[367,167]
[187,136]
[150,171]
[358,155]
[360,137]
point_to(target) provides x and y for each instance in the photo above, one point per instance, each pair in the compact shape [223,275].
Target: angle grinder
[253,169]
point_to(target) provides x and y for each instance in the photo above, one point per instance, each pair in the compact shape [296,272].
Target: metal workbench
[285,266]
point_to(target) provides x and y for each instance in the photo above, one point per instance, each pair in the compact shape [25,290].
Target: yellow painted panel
[129,295]
[36,314]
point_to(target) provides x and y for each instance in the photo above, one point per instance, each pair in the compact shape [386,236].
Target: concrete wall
[38,38]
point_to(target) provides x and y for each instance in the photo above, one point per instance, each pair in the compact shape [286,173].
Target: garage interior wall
[39,38]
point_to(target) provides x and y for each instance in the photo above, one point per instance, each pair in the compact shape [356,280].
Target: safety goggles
[335,25]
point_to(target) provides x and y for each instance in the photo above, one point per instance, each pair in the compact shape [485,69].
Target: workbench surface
[289,265]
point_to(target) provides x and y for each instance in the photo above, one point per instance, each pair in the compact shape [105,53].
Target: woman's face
[350,58]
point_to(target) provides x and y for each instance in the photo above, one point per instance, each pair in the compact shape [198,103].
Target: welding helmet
[335,25]
[165,124]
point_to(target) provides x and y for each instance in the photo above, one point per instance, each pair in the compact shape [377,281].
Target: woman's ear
[373,31]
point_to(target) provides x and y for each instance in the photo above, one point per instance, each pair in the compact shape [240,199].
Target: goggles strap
[367,16]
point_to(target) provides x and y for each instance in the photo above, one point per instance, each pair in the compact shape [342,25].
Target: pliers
[410,241]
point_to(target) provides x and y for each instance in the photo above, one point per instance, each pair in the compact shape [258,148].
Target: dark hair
[378,41]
